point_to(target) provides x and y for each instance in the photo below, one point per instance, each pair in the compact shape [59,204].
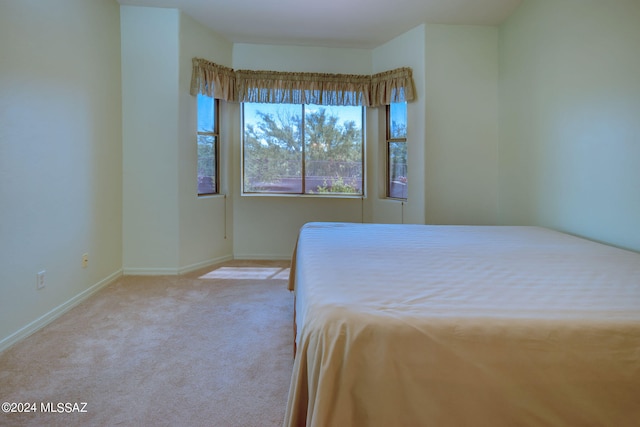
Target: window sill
[306,196]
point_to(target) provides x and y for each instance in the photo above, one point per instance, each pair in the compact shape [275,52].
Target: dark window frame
[215,134]
[389,140]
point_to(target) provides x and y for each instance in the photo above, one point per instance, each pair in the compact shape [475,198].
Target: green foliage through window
[397,184]
[302,149]
[207,145]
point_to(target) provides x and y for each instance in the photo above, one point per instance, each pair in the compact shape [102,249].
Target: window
[397,150]
[208,142]
[303,149]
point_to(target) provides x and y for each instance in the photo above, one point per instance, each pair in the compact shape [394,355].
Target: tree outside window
[397,184]
[303,149]
[208,137]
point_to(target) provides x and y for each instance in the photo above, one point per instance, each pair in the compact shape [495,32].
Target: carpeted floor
[211,348]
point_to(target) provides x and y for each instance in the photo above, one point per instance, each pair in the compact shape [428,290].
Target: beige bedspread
[414,325]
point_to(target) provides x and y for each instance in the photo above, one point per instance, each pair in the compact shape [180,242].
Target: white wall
[60,157]
[570,109]
[206,232]
[453,125]
[407,50]
[150,72]
[168,229]
[461,125]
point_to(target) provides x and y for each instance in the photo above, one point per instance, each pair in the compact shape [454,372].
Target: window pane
[206,114]
[272,148]
[333,149]
[398,116]
[398,170]
[206,164]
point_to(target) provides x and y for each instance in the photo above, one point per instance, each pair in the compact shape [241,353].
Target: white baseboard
[175,271]
[203,264]
[150,271]
[263,257]
[56,312]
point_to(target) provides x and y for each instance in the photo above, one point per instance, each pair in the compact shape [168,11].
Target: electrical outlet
[85,260]
[40,279]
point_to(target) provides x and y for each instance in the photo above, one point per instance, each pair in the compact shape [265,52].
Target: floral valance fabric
[301,88]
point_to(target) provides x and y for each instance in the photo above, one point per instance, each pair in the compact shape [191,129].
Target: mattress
[419,325]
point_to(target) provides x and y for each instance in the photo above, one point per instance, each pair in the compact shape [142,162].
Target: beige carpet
[211,348]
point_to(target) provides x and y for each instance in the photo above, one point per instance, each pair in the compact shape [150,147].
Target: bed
[419,325]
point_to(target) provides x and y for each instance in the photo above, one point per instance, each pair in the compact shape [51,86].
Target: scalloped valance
[278,87]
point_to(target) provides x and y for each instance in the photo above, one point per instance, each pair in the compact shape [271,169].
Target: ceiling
[331,23]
